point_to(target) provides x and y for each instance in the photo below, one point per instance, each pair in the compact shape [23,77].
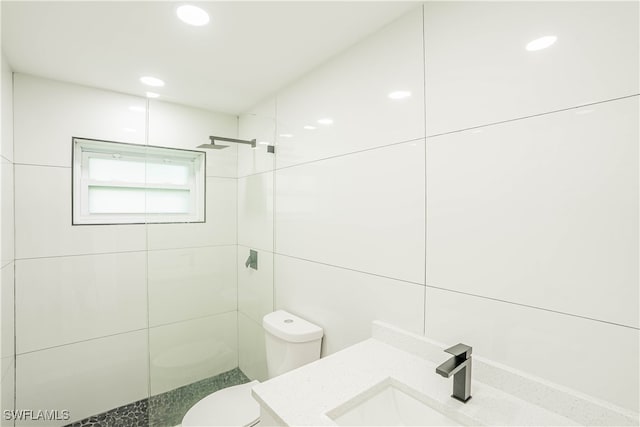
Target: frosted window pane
[168,201]
[167,173]
[116,170]
[108,200]
[117,200]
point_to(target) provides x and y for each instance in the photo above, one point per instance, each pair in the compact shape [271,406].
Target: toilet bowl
[290,343]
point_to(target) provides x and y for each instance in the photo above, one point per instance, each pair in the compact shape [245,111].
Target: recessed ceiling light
[399,94]
[192,15]
[310,127]
[137,108]
[152,95]
[541,43]
[152,81]
[326,121]
[286,135]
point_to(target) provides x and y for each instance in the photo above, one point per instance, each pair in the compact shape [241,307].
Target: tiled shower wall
[106,315]
[496,206]
[7,347]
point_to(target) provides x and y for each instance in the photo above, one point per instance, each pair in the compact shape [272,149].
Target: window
[117,183]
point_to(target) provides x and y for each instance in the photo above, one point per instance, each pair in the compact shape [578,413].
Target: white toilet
[290,343]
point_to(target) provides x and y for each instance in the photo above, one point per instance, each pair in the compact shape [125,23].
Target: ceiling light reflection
[399,94]
[541,43]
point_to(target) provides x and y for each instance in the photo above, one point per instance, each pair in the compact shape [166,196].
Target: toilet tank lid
[291,328]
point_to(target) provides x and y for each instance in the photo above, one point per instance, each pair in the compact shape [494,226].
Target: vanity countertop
[304,396]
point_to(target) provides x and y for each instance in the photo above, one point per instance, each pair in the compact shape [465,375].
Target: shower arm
[238,141]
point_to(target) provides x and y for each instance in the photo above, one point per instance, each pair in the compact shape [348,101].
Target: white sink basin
[392,403]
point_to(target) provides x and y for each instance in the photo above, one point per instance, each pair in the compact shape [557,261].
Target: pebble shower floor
[166,409]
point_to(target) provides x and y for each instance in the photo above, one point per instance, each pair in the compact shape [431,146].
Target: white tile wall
[63,300]
[6,212]
[47,114]
[43,219]
[185,352]
[258,124]
[255,287]
[173,125]
[190,283]
[7,320]
[85,378]
[478,70]
[345,302]
[6,145]
[219,228]
[255,211]
[7,383]
[363,211]
[542,211]
[352,89]
[596,358]
[251,346]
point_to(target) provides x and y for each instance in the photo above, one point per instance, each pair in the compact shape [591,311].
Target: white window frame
[85,149]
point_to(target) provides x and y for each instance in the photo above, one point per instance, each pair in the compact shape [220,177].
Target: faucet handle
[460,350]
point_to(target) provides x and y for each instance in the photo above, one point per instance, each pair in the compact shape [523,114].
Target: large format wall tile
[43,219]
[7,387]
[345,302]
[252,356]
[593,357]
[219,228]
[541,211]
[86,378]
[6,103]
[478,70]
[62,300]
[255,211]
[363,211]
[7,305]
[189,283]
[48,114]
[179,126]
[7,251]
[353,90]
[255,287]
[185,352]
[258,124]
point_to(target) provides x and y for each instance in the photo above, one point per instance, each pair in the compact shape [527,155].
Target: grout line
[221,177]
[351,269]
[380,147]
[81,341]
[531,116]
[533,307]
[13,197]
[79,255]
[146,238]
[204,316]
[125,252]
[255,248]
[255,173]
[237,247]
[273,203]
[43,166]
[424,118]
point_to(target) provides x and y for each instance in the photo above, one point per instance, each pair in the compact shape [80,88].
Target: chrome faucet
[460,367]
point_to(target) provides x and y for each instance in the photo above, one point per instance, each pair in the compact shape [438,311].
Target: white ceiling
[248,51]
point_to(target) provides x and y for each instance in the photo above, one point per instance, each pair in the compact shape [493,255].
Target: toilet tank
[290,342]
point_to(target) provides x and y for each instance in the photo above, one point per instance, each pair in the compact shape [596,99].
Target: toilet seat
[232,406]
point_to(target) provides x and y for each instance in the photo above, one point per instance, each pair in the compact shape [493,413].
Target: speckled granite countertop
[303,397]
